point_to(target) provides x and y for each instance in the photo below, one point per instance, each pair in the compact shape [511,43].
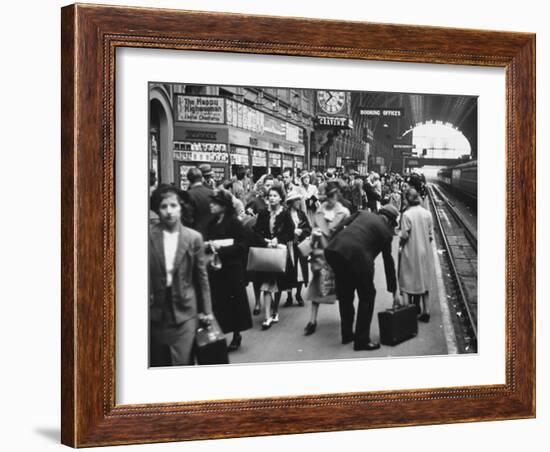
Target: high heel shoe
[256,310]
[424,317]
[235,343]
[310,329]
[266,324]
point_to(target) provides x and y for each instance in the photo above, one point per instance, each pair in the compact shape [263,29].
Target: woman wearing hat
[226,236]
[274,227]
[179,287]
[302,229]
[416,260]
[310,195]
[325,221]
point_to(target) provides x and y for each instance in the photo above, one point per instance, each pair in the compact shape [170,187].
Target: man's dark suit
[351,254]
[200,197]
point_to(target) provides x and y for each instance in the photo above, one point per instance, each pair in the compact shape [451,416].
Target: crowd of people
[332,225]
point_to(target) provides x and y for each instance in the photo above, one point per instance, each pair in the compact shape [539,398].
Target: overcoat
[229,298]
[359,239]
[284,232]
[416,262]
[200,198]
[298,258]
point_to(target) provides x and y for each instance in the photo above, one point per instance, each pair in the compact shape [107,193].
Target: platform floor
[285,341]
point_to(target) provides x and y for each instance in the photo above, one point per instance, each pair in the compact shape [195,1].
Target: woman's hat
[222,197]
[293,196]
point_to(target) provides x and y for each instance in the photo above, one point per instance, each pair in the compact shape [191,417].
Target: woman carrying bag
[321,288]
[302,230]
[227,241]
[179,288]
[274,228]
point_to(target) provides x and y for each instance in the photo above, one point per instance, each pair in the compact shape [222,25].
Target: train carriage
[461,178]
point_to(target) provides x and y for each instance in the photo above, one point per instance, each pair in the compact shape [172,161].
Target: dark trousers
[349,279]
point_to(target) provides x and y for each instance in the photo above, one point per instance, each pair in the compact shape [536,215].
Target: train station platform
[285,341]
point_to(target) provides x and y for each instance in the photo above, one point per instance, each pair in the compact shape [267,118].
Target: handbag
[305,247]
[322,287]
[215,262]
[210,344]
[271,260]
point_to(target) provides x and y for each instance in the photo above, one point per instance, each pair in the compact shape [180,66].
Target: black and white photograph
[295,224]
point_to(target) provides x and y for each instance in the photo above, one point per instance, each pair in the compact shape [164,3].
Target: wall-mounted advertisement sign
[403,146]
[202,135]
[274,126]
[287,161]
[200,152]
[239,156]
[259,158]
[293,134]
[275,160]
[244,117]
[200,109]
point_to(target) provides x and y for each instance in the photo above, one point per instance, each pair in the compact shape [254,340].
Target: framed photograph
[281,225]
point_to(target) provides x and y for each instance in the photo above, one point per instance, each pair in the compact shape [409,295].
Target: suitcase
[397,325]
[210,344]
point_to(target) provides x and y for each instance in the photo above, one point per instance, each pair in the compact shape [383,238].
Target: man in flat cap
[351,254]
[208,176]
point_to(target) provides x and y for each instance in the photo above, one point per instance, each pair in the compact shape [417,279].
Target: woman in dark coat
[226,237]
[273,228]
[302,229]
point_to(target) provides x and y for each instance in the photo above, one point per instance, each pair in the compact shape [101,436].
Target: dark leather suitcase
[397,325]
[210,344]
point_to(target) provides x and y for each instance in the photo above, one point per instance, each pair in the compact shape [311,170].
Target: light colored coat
[416,261]
[327,227]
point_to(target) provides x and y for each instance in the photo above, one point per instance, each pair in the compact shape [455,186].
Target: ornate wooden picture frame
[90,37]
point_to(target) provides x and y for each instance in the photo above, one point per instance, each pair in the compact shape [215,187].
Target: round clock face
[331,101]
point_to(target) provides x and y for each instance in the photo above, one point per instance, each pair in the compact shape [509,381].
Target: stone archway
[161,130]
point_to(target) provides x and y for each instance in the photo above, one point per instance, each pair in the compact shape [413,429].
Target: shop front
[228,135]
[198,144]
[259,163]
[275,163]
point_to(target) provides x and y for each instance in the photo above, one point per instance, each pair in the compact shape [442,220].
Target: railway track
[460,246]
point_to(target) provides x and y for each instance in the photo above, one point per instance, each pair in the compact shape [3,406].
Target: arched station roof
[459,111]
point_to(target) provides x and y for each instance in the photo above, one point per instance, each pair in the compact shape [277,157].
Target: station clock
[331,102]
